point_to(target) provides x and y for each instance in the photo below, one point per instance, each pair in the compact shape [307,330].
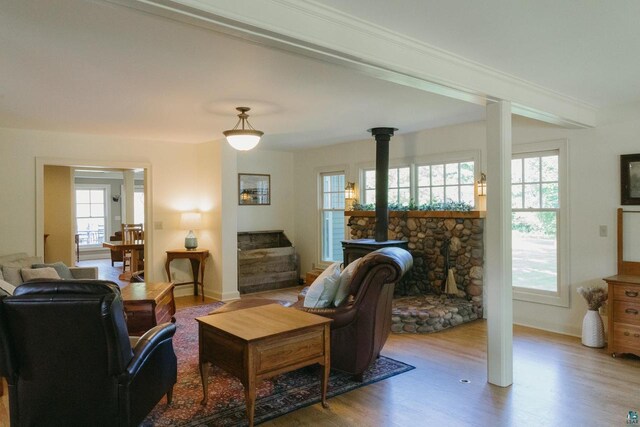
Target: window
[91,214]
[399,185]
[537,219]
[332,215]
[449,182]
[138,205]
[440,182]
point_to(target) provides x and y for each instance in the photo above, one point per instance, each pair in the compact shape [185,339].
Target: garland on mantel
[411,206]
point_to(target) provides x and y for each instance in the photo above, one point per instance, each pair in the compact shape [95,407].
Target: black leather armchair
[68,360]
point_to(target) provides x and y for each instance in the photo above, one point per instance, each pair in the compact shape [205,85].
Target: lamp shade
[243,141]
[191,220]
[243,136]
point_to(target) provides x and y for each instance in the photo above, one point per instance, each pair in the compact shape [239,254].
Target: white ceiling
[588,49]
[99,68]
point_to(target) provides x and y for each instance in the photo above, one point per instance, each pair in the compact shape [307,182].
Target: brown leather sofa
[360,329]
[68,360]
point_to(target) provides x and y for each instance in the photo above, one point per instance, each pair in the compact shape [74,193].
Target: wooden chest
[147,305]
[624,314]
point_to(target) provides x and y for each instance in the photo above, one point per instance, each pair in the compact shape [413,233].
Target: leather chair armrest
[341,315]
[147,344]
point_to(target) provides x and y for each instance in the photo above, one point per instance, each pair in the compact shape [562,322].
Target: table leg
[195,264]
[326,366]
[168,268]
[202,263]
[250,399]
[204,376]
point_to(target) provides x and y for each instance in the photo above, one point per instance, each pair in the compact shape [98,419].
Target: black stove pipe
[382,136]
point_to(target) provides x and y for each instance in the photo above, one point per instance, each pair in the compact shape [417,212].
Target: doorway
[90,203]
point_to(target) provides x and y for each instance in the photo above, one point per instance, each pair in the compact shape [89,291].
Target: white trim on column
[498,241]
[312,29]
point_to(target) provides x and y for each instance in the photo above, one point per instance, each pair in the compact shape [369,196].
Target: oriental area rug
[225,406]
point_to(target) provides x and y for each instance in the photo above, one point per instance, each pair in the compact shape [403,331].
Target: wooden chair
[131,233]
[116,255]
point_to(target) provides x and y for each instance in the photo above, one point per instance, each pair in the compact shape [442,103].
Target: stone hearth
[432,313]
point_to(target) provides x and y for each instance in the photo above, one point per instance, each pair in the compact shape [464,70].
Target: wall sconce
[350,190]
[482,185]
[191,221]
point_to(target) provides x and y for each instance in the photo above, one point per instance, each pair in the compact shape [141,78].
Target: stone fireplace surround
[420,305]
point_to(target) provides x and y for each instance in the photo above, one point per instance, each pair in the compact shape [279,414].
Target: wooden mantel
[422,214]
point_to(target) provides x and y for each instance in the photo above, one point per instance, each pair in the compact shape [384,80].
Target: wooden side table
[286,339]
[148,305]
[198,258]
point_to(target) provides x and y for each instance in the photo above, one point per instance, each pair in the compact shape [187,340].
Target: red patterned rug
[225,406]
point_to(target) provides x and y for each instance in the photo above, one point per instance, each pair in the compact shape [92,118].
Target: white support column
[129,188]
[498,241]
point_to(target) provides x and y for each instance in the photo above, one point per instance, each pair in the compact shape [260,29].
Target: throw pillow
[323,290]
[39,273]
[342,295]
[7,287]
[12,275]
[26,262]
[63,271]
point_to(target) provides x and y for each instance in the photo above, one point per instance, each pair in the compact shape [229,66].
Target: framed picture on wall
[254,189]
[630,179]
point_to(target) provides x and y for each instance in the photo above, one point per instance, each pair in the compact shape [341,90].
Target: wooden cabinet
[624,314]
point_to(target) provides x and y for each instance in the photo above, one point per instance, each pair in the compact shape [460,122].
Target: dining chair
[131,233]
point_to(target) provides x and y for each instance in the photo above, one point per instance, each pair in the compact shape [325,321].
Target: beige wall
[279,215]
[58,216]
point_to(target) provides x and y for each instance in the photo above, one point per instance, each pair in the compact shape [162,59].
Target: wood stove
[354,249]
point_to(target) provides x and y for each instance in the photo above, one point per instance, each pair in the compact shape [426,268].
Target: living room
[203,175]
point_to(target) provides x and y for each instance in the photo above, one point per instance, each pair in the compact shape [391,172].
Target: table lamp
[191,221]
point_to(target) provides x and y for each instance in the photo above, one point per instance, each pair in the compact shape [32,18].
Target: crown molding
[308,28]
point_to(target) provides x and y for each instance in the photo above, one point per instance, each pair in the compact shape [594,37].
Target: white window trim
[107,211]
[338,169]
[560,298]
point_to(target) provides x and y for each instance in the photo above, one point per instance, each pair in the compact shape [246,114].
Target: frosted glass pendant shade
[243,136]
[243,142]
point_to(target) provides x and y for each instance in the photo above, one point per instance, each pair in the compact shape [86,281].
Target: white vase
[592,330]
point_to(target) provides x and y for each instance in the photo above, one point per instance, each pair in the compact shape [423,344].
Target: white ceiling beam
[314,30]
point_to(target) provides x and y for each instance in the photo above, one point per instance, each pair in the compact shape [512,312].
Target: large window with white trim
[452,181]
[399,185]
[332,215]
[538,228]
[92,214]
[448,182]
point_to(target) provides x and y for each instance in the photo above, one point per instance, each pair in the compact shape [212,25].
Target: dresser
[624,314]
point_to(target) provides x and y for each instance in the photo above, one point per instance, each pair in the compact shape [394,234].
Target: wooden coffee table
[148,305]
[260,342]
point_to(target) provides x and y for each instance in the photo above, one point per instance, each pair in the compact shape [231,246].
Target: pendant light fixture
[243,136]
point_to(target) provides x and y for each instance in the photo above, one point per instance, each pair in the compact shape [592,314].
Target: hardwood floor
[557,382]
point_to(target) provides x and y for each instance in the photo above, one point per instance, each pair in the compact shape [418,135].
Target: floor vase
[592,330]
